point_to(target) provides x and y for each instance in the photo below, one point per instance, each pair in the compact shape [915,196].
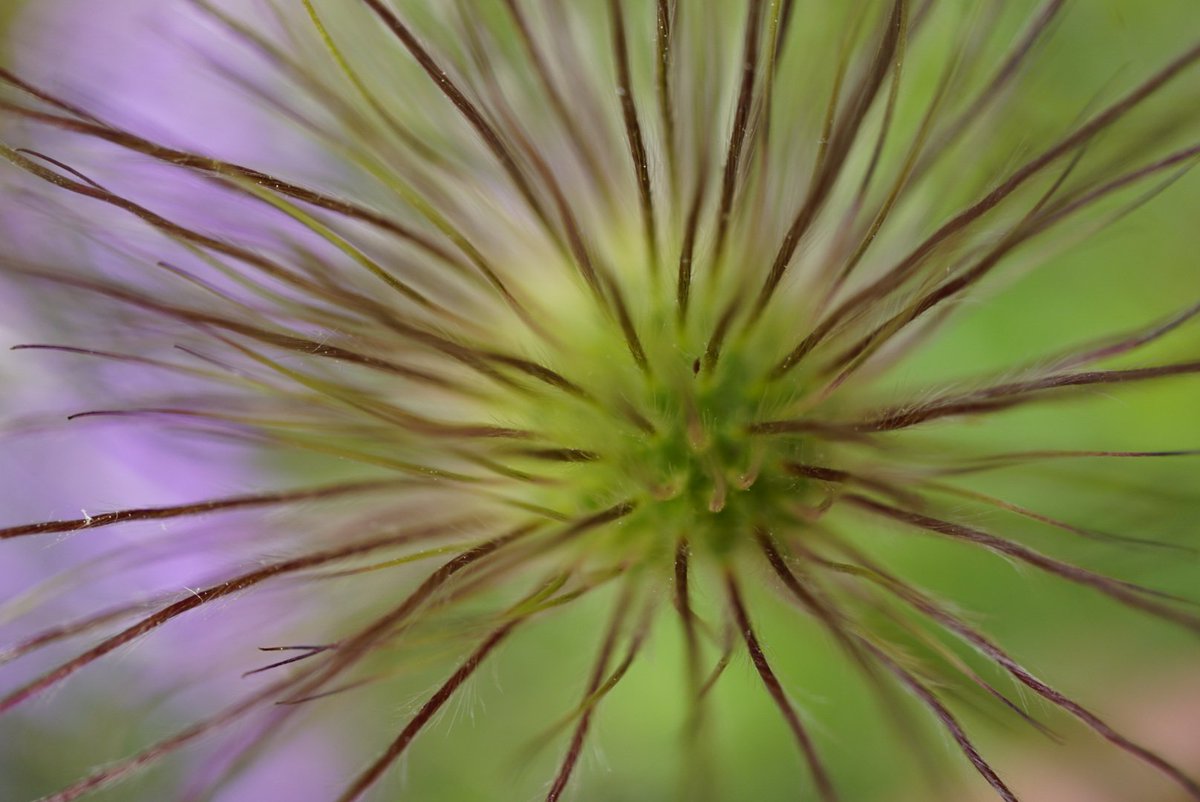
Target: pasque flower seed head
[579,304]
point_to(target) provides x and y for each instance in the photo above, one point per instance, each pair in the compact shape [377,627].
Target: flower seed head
[615,305]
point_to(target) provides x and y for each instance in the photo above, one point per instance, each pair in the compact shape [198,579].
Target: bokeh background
[131,60]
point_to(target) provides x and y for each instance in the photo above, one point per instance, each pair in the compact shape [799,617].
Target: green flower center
[672,436]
